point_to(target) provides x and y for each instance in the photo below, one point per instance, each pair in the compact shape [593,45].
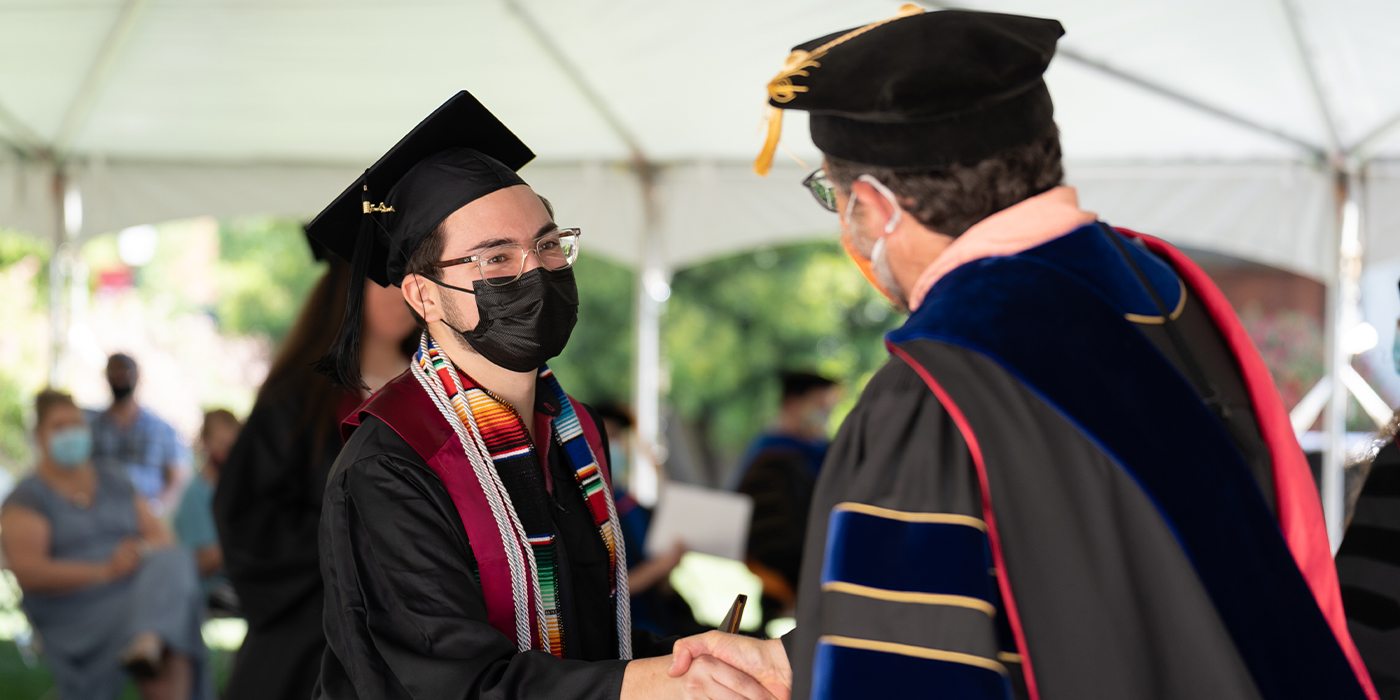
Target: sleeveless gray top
[88,534]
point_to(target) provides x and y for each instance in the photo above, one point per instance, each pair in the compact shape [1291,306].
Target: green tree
[596,366]
[14,439]
[733,324]
[16,246]
[23,372]
[265,272]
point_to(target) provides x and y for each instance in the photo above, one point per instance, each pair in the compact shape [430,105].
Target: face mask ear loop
[440,283]
[889,196]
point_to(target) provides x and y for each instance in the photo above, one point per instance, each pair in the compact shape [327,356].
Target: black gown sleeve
[267,508]
[405,616]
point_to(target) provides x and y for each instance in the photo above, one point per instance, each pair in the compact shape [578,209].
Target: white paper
[708,521]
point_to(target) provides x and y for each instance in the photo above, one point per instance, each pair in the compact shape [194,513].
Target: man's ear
[876,209]
[422,298]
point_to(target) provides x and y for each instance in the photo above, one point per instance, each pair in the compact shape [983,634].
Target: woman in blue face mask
[106,592]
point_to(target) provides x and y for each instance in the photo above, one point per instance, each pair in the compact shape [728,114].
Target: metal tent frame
[1345,164]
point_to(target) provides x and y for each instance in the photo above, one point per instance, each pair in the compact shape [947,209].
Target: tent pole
[1367,145]
[58,316]
[653,289]
[1343,315]
[1293,14]
[653,280]
[98,73]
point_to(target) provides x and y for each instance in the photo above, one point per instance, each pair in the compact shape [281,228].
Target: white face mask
[877,269]
[880,263]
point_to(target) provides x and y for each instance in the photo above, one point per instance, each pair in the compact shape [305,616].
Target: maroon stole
[406,408]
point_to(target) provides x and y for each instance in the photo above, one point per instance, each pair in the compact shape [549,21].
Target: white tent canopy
[167,108]
[1220,125]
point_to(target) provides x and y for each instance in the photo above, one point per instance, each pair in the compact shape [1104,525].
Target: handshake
[713,666]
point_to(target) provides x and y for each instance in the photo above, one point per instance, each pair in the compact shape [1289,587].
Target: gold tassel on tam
[782,91]
[764,162]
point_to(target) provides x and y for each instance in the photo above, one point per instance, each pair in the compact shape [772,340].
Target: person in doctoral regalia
[1074,477]
[469,541]
[267,505]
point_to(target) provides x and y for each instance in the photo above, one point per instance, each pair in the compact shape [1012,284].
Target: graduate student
[1074,477]
[469,541]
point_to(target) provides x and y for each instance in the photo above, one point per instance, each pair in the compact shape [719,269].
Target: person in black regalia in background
[779,471]
[656,606]
[1368,565]
[268,502]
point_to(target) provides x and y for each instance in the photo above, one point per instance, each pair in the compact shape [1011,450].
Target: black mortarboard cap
[920,90]
[459,154]
[318,251]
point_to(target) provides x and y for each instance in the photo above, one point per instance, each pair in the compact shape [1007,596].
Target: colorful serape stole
[570,434]
[506,438]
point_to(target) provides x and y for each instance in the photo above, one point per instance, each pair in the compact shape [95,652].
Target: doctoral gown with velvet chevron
[1031,499]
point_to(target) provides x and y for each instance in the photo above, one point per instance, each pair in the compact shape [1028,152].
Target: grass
[20,682]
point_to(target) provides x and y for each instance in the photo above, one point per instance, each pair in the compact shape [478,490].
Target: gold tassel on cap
[782,91]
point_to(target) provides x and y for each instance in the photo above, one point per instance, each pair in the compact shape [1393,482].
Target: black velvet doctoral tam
[924,91]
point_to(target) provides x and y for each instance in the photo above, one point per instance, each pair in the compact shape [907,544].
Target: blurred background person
[779,472]
[656,606]
[1367,566]
[268,502]
[102,586]
[130,438]
[1368,562]
[194,519]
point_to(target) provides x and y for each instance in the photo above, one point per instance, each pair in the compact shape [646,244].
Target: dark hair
[430,250]
[290,374]
[293,372]
[122,358]
[47,401]
[218,416]
[614,411]
[421,263]
[796,384]
[950,200]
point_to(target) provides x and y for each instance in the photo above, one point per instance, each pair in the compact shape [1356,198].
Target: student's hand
[765,660]
[705,678]
[124,560]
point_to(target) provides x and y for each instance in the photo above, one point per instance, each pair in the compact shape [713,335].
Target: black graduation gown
[780,481]
[1368,565]
[268,510]
[405,616]
[1111,603]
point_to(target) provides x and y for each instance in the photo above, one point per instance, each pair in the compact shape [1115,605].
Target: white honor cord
[624,597]
[507,522]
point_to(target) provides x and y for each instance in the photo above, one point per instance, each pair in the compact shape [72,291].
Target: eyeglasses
[822,189]
[503,264]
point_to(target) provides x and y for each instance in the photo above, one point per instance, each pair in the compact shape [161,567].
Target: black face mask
[525,323]
[121,391]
